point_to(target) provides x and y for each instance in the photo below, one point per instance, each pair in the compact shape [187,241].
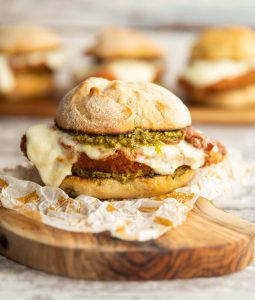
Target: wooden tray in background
[47,107]
[36,108]
[215,115]
[39,107]
[210,243]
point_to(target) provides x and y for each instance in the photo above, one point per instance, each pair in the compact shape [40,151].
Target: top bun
[23,38]
[225,43]
[100,106]
[116,42]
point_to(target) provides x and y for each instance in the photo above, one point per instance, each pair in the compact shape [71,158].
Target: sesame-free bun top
[100,106]
[25,38]
[118,42]
[234,43]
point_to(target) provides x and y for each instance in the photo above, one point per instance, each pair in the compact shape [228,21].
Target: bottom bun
[236,98]
[30,84]
[140,187]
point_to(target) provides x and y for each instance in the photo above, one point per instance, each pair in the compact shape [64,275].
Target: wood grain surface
[36,108]
[44,106]
[210,243]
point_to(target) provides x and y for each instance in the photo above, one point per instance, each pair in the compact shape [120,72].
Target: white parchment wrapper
[138,220]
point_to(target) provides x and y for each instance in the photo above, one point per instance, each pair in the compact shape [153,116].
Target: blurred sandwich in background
[221,70]
[121,53]
[29,57]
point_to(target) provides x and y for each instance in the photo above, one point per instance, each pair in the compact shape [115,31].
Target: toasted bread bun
[117,42]
[113,189]
[100,106]
[235,99]
[30,84]
[225,43]
[21,38]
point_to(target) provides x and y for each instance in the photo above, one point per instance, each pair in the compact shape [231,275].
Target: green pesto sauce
[123,178]
[133,139]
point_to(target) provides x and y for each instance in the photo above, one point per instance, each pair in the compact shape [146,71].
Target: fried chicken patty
[116,163]
[121,163]
[199,93]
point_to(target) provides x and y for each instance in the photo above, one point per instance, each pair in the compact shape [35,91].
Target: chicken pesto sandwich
[116,140]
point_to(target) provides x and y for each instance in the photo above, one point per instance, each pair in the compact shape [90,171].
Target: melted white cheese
[170,157]
[52,160]
[133,70]
[94,152]
[54,152]
[203,73]
[54,59]
[7,80]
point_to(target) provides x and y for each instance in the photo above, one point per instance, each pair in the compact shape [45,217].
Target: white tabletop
[19,282]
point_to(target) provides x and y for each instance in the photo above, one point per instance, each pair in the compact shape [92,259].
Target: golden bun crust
[235,99]
[137,188]
[24,38]
[100,106]
[225,43]
[118,42]
[30,84]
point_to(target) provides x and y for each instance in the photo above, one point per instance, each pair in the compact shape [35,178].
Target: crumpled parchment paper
[135,220]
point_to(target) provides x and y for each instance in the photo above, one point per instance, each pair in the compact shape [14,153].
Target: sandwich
[221,71]
[29,57]
[124,54]
[117,139]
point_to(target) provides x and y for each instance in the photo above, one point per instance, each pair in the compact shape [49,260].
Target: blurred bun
[24,38]
[225,43]
[117,42]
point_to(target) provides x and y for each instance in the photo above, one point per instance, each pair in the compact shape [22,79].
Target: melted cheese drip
[7,80]
[50,158]
[54,152]
[133,70]
[203,73]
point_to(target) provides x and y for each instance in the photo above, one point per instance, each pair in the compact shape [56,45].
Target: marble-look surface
[22,283]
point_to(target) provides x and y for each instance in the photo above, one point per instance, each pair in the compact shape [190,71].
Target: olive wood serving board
[211,242]
[46,107]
